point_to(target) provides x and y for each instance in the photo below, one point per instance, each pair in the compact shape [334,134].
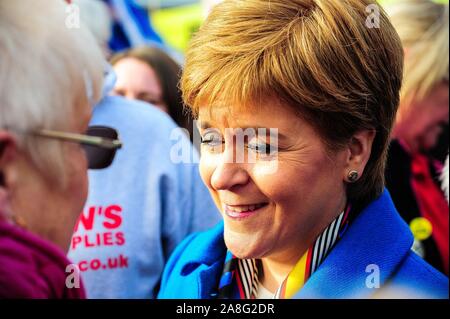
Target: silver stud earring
[353,176]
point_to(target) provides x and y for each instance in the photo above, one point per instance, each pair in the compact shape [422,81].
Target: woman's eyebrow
[203,125]
[149,95]
[272,132]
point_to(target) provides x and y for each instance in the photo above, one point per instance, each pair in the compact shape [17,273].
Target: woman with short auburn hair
[314,85]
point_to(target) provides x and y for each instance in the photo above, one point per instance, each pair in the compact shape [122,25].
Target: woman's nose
[228,173]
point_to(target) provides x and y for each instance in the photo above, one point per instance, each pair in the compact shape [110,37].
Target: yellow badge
[421,228]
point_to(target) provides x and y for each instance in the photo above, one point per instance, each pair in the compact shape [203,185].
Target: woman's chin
[243,246]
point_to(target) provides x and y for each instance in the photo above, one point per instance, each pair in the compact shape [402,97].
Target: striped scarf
[240,277]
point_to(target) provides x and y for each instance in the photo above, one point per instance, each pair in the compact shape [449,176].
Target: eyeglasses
[100,143]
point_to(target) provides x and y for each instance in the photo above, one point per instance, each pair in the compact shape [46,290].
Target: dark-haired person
[147,202]
[141,207]
[150,75]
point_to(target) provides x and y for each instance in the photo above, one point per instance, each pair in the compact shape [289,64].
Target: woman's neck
[276,269]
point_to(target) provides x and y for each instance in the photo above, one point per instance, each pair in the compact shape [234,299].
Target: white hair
[444,179]
[95,15]
[423,27]
[47,68]
[208,5]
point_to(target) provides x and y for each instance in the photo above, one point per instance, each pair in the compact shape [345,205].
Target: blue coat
[376,249]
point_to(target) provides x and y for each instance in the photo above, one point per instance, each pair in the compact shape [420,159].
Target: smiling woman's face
[271,212]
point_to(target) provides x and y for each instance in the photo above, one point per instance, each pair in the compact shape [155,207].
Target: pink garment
[31,267]
[432,204]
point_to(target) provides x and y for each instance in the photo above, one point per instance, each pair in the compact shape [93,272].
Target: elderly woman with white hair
[45,144]
[412,174]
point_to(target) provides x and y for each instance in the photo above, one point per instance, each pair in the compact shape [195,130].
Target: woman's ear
[8,151]
[359,149]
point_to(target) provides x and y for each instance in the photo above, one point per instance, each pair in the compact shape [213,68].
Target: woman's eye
[211,140]
[154,102]
[261,148]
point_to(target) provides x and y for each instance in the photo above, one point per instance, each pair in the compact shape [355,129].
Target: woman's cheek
[266,169]
[206,168]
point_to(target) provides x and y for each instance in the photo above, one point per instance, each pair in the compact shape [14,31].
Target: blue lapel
[378,236]
[202,270]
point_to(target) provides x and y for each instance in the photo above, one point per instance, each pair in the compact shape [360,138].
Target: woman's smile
[238,212]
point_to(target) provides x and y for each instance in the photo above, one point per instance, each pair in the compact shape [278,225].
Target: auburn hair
[338,64]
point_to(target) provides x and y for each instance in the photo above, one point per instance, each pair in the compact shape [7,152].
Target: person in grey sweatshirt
[142,206]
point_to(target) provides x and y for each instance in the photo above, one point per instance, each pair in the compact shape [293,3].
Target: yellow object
[421,228]
[177,25]
[296,278]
